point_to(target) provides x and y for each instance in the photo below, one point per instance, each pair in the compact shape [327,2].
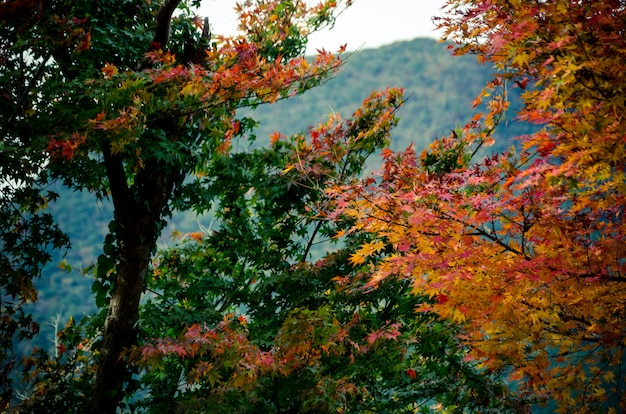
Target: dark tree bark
[139,211]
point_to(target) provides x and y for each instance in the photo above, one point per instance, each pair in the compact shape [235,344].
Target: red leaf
[441,298]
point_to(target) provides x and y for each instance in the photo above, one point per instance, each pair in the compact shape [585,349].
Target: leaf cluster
[523,247]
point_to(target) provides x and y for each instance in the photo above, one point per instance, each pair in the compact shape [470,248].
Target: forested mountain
[439,90]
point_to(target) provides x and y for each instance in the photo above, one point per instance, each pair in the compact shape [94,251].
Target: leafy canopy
[127,99]
[525,248]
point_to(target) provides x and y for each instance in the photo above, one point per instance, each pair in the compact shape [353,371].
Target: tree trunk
[139,210]
[138,213]
[120,328]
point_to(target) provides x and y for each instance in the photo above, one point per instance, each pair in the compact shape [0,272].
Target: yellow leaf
[357,258]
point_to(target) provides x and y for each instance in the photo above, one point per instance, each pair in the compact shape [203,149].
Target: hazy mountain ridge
[439,90]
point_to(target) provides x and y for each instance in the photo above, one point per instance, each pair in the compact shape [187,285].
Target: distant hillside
[440,89]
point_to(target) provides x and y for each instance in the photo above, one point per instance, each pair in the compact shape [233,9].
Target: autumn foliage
[127,99]
[138,103]
[243,318]
[524,248]
[446,271]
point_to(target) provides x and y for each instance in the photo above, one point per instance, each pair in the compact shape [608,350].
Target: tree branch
[164,17]
[117,178]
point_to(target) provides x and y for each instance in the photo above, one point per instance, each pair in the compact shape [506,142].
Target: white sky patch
[366,24]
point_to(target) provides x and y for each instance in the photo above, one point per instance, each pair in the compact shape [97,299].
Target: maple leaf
[196,236]
[357,258]
[373,337]
[366,251]
[275,137]
[109,70]
[441,298]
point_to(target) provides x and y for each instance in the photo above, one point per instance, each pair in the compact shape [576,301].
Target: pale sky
[366,24]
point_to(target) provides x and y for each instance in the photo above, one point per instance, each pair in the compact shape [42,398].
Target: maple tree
[127,99]
[242,317]
[525,248]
